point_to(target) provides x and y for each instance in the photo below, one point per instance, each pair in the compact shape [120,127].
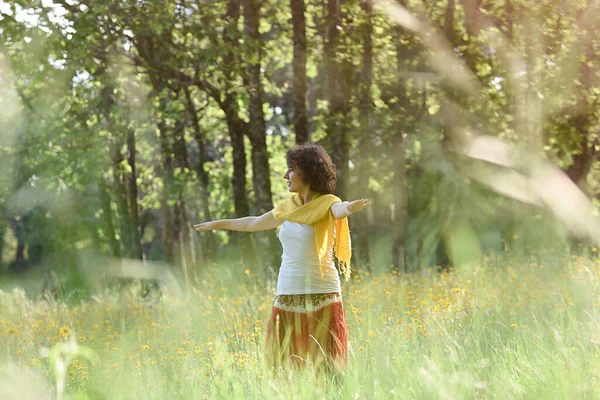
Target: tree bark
[208,239]
[150,55]
[184,227]
[235,125]
[261,174]
[299,86]
[107,215]
[399,220]
[584,118]
[449,21]
[336,121]
[236,128]
[402,108]
[171,232]
[3,229]
[171,201]
[117,158]
[133,196]
[582,162]
[18,227]
[364,147]
[473,18]
[508,25]
[120,191]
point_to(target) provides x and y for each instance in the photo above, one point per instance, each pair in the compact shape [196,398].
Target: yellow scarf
[328,230]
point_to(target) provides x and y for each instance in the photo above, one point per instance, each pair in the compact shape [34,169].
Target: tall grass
[504,328]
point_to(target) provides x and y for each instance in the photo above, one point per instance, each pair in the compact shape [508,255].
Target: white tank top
[299,272]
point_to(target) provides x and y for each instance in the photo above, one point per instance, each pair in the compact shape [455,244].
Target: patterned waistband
[306,302]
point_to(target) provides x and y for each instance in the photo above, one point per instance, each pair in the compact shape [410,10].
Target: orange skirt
[308,327]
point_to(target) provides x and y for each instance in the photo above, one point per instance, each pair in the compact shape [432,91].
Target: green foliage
[75,80]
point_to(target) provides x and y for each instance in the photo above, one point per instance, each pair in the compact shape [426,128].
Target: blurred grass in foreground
[526,330]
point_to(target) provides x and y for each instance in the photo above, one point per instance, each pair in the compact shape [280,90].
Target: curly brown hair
[315,167]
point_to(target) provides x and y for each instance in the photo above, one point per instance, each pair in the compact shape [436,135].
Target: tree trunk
[118,171]
[584,118]
[170,233]
[364,147]
[473,18]
[18,227]
[508,25]
[336,121]
[475,21]
[117,158]
[236,127]
[399,220]
[107,214]
[133,197]
[151,53]
[3,229]
[261,174]
[582,162]
[402,108]
[184,227]
[299,86]
[120,191]
[208,244]
[449,21]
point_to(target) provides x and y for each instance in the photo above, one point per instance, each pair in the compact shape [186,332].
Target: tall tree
[261,172]
[404,109]
[132,191]
[401,108]
[182,166]
[337,135]
[108,104]
[365,108]
[3,230]
[203,178]
[156,48]
[107,216]
[18,227]
[171,232]
[584,114]
[120,191]
[299,85]
[127,227]
[261,177]
[229,103]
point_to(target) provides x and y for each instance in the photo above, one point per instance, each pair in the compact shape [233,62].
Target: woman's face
[294,180]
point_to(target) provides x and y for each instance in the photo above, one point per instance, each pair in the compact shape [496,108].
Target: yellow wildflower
[65,331]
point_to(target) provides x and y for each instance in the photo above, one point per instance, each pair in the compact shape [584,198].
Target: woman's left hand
[358,205]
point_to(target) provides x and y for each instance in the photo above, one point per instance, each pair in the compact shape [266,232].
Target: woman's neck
[306,195]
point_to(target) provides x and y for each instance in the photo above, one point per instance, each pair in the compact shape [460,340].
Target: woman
[307,320]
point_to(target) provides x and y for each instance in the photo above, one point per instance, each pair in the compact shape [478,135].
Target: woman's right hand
[358,205]
[207,226]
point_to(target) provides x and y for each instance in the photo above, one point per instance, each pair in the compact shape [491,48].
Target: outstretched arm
[245,224]
[342,210]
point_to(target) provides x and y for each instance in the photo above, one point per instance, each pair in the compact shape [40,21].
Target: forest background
[123,123]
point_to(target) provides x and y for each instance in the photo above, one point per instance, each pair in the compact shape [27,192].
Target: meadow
[507,327]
